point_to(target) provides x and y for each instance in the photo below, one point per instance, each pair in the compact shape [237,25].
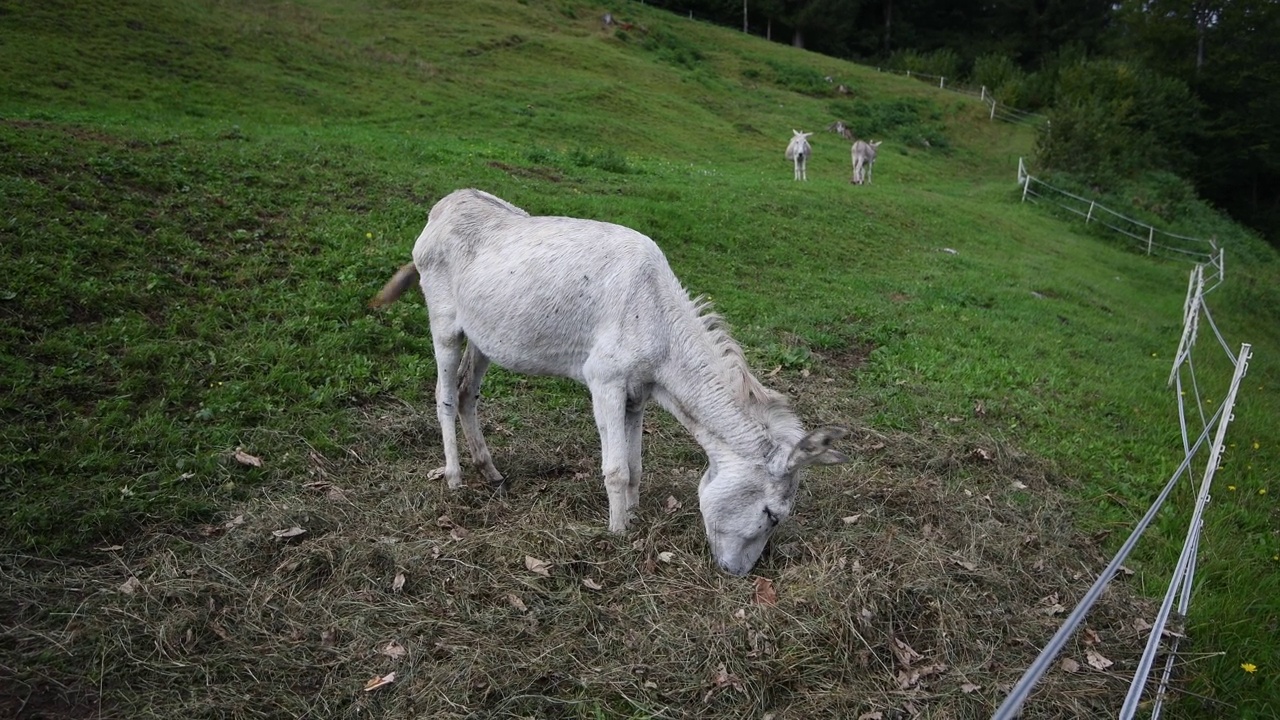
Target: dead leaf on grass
[459,533]
[377,682]
[516,602]
[1096,660]
[873,715]
[765,593]
[294,531]
[130,586]
[983,454]
[666,556]
[245,458]
[969,688]
[909,678]
[851,519]
[1069,665]
[1091,637]
[1018,485]
[536,566]
[903,653]
[591,584]
[329,637]
[444,522]
[397,583]
[393,650]
[234,522]
[435,474]
[971,567]
[671,505]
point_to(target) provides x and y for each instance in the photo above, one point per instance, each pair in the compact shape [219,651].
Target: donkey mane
[768,407]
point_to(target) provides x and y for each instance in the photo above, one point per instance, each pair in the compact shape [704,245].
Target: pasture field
[200,196]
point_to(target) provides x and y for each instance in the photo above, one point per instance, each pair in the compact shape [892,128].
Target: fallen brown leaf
[765,593]
[591,584]
[245,458]
[968,688]
[130,586]
[397,582]
[672,504]
[1069,665]
[377,682]
[294,531]
[903,653]
[516,602]
[873,715]
[393,650]
[1096,659]
[536,566]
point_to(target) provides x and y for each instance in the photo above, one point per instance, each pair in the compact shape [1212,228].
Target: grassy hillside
[199,197]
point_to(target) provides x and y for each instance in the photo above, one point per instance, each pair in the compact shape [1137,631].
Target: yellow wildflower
[1255,444]
[1231,488]
[1249,667]
[1262,491]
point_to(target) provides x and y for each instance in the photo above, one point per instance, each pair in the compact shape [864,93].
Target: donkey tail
[395,287]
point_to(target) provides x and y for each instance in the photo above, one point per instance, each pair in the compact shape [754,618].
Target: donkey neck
[713,394]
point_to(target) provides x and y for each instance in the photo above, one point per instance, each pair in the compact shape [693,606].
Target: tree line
[1176,90]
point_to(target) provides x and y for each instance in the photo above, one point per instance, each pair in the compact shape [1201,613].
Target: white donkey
[598,303]
[864,157]
[798,151]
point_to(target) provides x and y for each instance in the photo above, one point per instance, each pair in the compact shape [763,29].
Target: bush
[1113,119]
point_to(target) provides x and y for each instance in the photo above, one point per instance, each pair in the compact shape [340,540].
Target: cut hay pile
[919,580]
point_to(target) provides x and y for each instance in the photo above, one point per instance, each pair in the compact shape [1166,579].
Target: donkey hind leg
[447,342]
[609,403]
[470,375]
[635,432]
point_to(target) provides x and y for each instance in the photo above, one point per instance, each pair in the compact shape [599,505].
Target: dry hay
[920,580]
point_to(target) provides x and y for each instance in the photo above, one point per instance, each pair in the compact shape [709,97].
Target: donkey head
[743,501]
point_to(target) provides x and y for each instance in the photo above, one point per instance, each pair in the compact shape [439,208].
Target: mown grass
[199,198]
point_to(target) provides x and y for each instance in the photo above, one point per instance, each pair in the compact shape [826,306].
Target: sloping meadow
[219,497]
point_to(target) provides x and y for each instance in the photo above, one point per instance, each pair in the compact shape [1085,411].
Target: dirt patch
[920,579]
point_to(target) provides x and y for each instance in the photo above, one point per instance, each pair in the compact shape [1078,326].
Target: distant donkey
[598,303]
[864,156]
[798,151]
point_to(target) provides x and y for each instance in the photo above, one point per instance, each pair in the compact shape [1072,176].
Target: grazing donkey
[864,157]
[798,151]
[598,303]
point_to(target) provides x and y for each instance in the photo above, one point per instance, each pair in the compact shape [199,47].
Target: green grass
[199,197]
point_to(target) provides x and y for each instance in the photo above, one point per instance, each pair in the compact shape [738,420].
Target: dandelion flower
[1249,667]
[1262,491]
[1255,444]
[1231,488]
[369,235]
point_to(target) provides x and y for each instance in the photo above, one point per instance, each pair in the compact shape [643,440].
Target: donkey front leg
[471,374]
[609,402]
[635,436]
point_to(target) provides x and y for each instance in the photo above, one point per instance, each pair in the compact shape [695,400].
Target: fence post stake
[942,83]
[908,73]
[1026,185]
[1151,236]
[993,109]
[1089,217]
[984,93]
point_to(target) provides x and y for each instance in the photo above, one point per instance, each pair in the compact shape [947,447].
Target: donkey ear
[815,449]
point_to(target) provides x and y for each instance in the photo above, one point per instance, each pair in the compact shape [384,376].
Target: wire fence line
[996,110]
[1150,238]
[1206,275]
